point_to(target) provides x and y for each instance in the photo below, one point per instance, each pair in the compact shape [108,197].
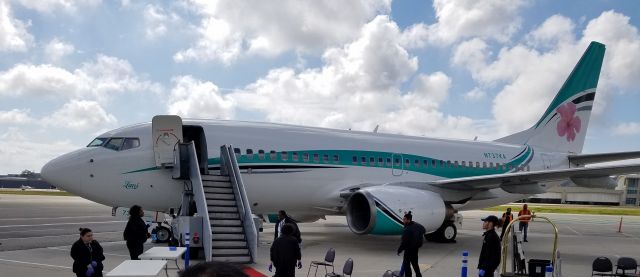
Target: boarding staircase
[229,232]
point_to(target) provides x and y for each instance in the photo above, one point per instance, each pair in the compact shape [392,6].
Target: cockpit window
[130,143]
[97,142]
[114,144]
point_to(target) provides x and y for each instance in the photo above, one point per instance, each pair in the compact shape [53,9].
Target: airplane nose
[52,172]
[59,171]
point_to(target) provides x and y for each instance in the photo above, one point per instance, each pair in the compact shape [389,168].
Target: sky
[72,69]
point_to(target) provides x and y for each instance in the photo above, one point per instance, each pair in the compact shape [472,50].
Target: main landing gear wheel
[163,234]
[446,233]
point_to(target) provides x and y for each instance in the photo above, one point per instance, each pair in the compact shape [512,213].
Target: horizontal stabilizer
[583,159]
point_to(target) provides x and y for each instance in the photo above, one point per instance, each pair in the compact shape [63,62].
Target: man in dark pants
[412,239]
[283,218]
[490,253]
[285,251]
[506,219]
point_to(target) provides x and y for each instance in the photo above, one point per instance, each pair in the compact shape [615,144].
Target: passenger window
[336,158]
[130,143]
[316,158]
[305,157]
[250,153]
[236,151]
[114,144]
[477,164]
[380,161]
[363,160]
[455,164]
[441,163]
[284,155]
[372,161]
[449,164]
[464,163]
[396,161]
[491,165]
[416,163]
[433,163]
[425,163]
[407,163]
[261,154]
[325,158]
[354,159]
[272,155]
[497,165]
[294,156]
[388,161]
[484,164]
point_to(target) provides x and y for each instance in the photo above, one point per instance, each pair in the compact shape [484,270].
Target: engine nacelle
[379,210]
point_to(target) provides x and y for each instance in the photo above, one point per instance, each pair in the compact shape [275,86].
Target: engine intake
[379,210]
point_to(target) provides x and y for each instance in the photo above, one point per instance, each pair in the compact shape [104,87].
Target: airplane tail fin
[563,126]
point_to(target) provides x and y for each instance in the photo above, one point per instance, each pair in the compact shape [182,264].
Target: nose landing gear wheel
[163,234]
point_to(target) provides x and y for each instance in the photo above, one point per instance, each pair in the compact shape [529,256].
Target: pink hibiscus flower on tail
[569,123]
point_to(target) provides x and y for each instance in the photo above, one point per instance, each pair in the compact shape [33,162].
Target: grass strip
[570,209]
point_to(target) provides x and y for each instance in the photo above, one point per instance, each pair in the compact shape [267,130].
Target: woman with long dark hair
[136,232]
[87,255]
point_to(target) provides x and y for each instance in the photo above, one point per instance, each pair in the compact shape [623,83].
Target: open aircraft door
[167,133]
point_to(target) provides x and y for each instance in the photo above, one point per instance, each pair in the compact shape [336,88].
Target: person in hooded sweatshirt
[136,233]
[87,255]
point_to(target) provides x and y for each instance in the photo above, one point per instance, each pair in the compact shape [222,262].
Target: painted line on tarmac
[62,217]
[29,263]
[68,223]
[60,236]
[573,230]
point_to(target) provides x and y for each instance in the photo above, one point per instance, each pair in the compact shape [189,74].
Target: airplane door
[167,132]
[397,167]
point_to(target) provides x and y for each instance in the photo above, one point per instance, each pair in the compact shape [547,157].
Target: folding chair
[328,261]
[346,270]
[626,263]
[601,266]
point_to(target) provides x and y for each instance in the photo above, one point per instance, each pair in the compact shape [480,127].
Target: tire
[447,233]
[163,234]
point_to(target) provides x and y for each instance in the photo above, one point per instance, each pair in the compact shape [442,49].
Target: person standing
[87,255]
[524,221]
[507,217]
[136,232]
[283,219]
[412,238]
[490,254]
[285,251]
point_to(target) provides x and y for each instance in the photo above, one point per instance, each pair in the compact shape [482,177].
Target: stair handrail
[230,163]
[201,200]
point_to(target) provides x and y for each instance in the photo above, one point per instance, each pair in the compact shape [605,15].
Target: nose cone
[53,172]
[60,171]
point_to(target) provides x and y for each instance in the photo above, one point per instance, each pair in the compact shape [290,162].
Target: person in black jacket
[285,251]
[87,255]
[412,239]
[490,253]
[283,218]
[136,232]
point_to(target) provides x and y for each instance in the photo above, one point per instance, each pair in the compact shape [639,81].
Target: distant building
[17,181]
[628,184]
[579,195]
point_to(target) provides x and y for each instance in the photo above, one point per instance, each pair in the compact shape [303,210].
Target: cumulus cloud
[475,94]
[81,115]
[230,29]
[533,72]
[24,153]
[627,128]
[93,80]
[158,21]
[15,116]
[57,49]
[198,99]
[14,36]
[50,6]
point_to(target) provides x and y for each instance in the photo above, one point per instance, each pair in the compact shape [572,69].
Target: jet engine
[379,210]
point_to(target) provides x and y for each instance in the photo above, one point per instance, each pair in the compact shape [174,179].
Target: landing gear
[446,233]
[163,234]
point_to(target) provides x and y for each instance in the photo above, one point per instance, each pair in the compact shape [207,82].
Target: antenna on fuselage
[375,130]
[475,139]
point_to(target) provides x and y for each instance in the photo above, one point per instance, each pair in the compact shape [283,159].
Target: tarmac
[36,233]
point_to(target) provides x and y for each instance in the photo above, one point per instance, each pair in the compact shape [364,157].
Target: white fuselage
[327,161]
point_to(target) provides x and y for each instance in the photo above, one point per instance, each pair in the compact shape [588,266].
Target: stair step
[210,184]
[217,244]
[218,190]
[219,196]
[226,222]
[232,259]
[215,178]
[222,209]
[229,252]
[227,237]
[227,230]
[223,216]
[226,203]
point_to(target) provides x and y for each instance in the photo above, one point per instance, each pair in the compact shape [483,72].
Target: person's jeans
[523,227]
[410,258]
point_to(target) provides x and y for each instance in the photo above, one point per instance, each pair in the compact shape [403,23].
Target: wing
[583,159]
[528,182]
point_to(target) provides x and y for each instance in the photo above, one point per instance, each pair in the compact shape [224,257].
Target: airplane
[371,178]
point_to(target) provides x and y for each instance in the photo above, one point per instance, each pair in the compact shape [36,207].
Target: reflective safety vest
[524,212]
